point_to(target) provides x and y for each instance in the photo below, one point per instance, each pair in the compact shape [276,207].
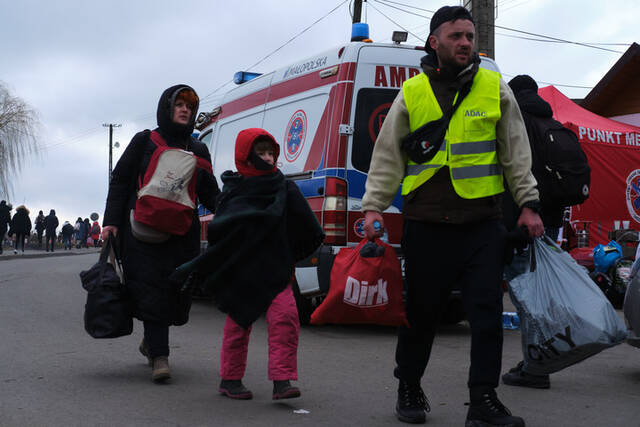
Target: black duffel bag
[107,313]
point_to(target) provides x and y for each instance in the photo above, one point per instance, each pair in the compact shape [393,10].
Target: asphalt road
[53,374]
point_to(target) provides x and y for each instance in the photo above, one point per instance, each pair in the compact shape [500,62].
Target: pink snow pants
[283,328]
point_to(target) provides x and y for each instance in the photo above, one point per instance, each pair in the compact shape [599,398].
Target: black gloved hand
[516,239]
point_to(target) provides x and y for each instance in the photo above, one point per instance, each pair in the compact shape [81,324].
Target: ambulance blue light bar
[359,32]
[244,76]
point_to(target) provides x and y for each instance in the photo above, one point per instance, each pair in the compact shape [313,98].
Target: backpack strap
[157,139]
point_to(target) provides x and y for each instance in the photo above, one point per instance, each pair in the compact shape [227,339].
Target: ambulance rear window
[372,105]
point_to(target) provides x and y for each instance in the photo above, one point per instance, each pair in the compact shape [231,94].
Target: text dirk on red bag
[362,294]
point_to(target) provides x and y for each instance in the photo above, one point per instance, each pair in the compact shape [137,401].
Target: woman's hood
[164,114]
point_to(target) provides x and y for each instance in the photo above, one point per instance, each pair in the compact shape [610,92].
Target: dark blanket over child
[262,227]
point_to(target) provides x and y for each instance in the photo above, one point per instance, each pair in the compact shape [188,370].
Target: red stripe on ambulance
[337,153]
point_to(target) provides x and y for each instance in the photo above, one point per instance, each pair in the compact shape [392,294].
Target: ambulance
[325,111]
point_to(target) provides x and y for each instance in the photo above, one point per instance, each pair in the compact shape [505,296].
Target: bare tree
[18,126]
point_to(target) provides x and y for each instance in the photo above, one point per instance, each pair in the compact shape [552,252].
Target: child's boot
[284,390]
[235,389]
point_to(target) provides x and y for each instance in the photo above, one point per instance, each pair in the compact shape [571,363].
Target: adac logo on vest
[475,113]
[362,294]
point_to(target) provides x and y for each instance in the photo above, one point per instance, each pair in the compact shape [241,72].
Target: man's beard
[451,66]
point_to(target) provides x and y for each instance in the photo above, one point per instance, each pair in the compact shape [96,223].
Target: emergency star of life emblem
[358,227]
[633,194]
[295,135]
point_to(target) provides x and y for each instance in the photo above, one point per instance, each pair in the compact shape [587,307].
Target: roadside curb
[59,253]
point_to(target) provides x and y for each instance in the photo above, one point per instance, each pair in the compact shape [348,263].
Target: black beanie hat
[446,14]
[523,82]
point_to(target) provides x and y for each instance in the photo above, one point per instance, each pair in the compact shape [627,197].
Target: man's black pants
[437,257]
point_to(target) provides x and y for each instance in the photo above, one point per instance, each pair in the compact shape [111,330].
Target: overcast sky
[84,63]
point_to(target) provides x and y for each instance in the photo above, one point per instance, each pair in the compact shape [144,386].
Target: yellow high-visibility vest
[469,149]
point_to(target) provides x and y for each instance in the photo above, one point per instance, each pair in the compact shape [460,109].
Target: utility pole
[357,11]
[110,126]
[483,12]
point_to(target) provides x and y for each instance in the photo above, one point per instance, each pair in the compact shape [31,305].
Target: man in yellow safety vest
[452,208]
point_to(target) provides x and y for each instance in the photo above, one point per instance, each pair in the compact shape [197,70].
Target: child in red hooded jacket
[262,226]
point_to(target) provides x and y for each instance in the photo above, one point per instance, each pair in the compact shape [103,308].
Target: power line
[216,90]
[78,137]
[505,2]
[514,5]
[384,3]
[408,5]
[556,41]
[299,34]
[554,84]
[284,44]
[85,134]
[555,38]
[394,22]
[591,45]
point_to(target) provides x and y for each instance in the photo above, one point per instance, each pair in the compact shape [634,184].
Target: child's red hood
[244,145]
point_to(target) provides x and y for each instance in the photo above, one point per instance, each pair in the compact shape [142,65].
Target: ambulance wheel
[305,305]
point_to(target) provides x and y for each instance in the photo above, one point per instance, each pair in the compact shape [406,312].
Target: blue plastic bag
[605,256]
[564,317]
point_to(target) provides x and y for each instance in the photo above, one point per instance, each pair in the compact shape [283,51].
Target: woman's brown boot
[160,371]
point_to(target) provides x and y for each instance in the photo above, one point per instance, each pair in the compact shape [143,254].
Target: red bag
[364,289]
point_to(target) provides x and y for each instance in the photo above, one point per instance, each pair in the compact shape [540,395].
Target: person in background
[67,234]
[151,255]
[77,232]
[86,230]
[452,230]
[95,233]
[5,220]
[20,227]
[533,108]
[50,225]
[40,228]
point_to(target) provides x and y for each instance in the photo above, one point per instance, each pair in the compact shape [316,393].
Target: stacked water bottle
[510,320]
[376,227]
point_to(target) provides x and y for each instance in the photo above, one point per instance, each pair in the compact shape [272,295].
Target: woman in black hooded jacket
[21,227]
[146,265]
[5,219]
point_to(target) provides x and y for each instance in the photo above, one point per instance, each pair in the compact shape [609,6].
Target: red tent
[613,151]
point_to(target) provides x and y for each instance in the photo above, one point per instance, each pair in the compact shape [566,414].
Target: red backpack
[167,192]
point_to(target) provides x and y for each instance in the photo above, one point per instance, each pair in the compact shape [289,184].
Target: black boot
[284,390]
[412,403]
[518,377]
[486,410]
[235,389]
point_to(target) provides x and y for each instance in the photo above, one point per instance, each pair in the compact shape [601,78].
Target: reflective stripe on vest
[469,149]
